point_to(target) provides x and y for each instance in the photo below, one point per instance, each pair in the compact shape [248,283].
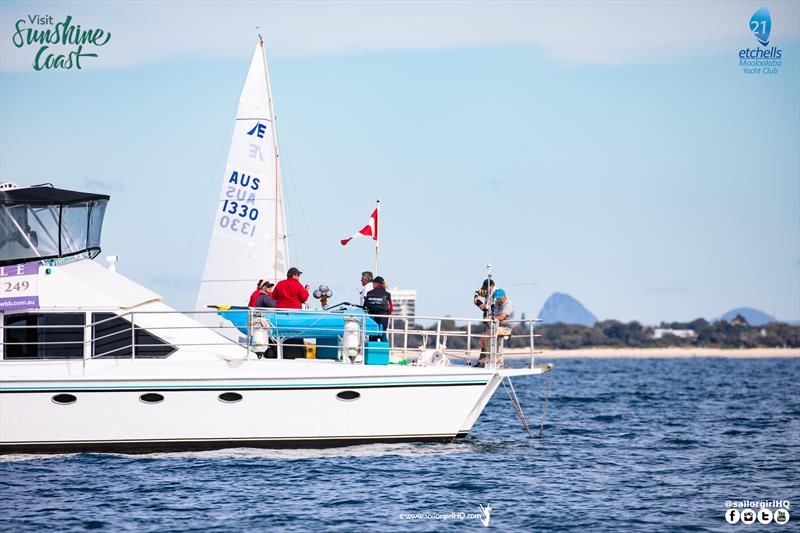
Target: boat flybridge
[92,361]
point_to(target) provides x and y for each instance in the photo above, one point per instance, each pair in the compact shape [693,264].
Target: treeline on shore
[719,334]
[612,333]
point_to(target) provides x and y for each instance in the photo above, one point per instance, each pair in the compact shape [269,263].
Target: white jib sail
[248,242]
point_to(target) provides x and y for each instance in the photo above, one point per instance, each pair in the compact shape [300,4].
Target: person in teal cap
[501,310]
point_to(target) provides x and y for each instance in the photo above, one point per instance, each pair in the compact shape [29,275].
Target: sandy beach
[662,353]
[639,353]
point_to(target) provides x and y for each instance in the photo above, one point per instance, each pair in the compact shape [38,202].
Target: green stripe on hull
[251,386]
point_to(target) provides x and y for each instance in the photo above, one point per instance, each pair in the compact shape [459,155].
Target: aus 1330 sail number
[242,219]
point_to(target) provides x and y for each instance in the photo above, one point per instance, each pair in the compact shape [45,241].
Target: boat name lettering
[24,269]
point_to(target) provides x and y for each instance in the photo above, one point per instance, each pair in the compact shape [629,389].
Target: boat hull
[113,416]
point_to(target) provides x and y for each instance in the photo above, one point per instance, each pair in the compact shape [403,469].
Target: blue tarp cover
[304,325]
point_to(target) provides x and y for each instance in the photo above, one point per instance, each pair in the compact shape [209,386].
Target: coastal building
[682,333]
[404,302]
[739,320]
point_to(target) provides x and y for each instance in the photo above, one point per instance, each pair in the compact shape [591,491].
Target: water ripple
[645,445]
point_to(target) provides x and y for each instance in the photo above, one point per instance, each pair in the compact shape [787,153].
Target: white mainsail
[248,242]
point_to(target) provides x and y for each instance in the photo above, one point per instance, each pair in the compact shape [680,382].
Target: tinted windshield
[30,232]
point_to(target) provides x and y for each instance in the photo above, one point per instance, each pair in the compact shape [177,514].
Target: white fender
[260,330]
[351,339]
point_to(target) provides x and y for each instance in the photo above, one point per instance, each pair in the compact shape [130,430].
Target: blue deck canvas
[304,325]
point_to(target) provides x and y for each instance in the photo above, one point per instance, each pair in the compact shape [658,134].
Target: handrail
[410,339]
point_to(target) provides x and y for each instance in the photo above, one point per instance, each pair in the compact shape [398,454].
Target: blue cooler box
[376,353]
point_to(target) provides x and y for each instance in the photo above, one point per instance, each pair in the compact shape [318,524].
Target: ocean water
[643,445]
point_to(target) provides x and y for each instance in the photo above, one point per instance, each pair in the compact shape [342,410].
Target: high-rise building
[404,302]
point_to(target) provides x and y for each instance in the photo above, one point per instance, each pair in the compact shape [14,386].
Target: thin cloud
[173,281]
[579,32]
[668,290]
[103,185]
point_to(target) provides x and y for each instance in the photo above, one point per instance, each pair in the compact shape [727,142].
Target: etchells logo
[761,25]
[58,45]
[761,59]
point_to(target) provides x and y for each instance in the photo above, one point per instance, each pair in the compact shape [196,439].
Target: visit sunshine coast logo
[763,59]
[58,45]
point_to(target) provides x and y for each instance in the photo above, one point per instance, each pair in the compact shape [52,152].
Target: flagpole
[377,234]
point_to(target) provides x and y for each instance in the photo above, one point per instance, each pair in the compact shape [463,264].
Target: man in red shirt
[289,293]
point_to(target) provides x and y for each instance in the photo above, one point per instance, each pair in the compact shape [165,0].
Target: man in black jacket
[379,302]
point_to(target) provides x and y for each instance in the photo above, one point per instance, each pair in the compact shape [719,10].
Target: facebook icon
[259,130]
[732,516]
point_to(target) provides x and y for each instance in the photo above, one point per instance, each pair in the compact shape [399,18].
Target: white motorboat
[93,361]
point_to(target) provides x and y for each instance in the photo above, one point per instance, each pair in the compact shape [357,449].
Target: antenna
[260,39]
[112,262]
[489,295]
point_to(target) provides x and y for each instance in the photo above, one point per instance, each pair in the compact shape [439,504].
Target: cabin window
[43,335]
[348,395]
[112,338]
[74,228]
[230,397]
[28,232]
[64,399]
[151,397]
[96,214]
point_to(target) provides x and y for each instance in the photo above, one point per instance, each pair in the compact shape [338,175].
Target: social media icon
[764,516]
[748,516]
[732,516]
[781,516]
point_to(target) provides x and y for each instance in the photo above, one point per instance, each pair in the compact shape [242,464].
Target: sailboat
[91,361]
[248,241]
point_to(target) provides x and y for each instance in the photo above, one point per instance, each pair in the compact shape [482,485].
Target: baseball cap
[379,279]
[268,284]
[499,293]
[293,272]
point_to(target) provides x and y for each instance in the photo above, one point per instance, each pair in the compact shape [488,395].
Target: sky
[615,151]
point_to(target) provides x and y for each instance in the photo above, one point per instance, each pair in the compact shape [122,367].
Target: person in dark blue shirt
[379,302]
[265,298]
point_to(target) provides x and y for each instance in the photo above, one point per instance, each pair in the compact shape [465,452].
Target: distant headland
[568,325]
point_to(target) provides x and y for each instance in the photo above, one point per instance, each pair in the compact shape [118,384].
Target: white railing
[415,339]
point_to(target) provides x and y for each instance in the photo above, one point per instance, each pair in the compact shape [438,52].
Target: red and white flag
[370,230]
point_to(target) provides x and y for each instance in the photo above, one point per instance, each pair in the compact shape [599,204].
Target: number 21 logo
[761,25]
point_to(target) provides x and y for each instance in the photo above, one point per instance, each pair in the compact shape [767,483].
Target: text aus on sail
[239,213]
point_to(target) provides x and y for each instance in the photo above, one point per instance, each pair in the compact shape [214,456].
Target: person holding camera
[481,296]
[288,293]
